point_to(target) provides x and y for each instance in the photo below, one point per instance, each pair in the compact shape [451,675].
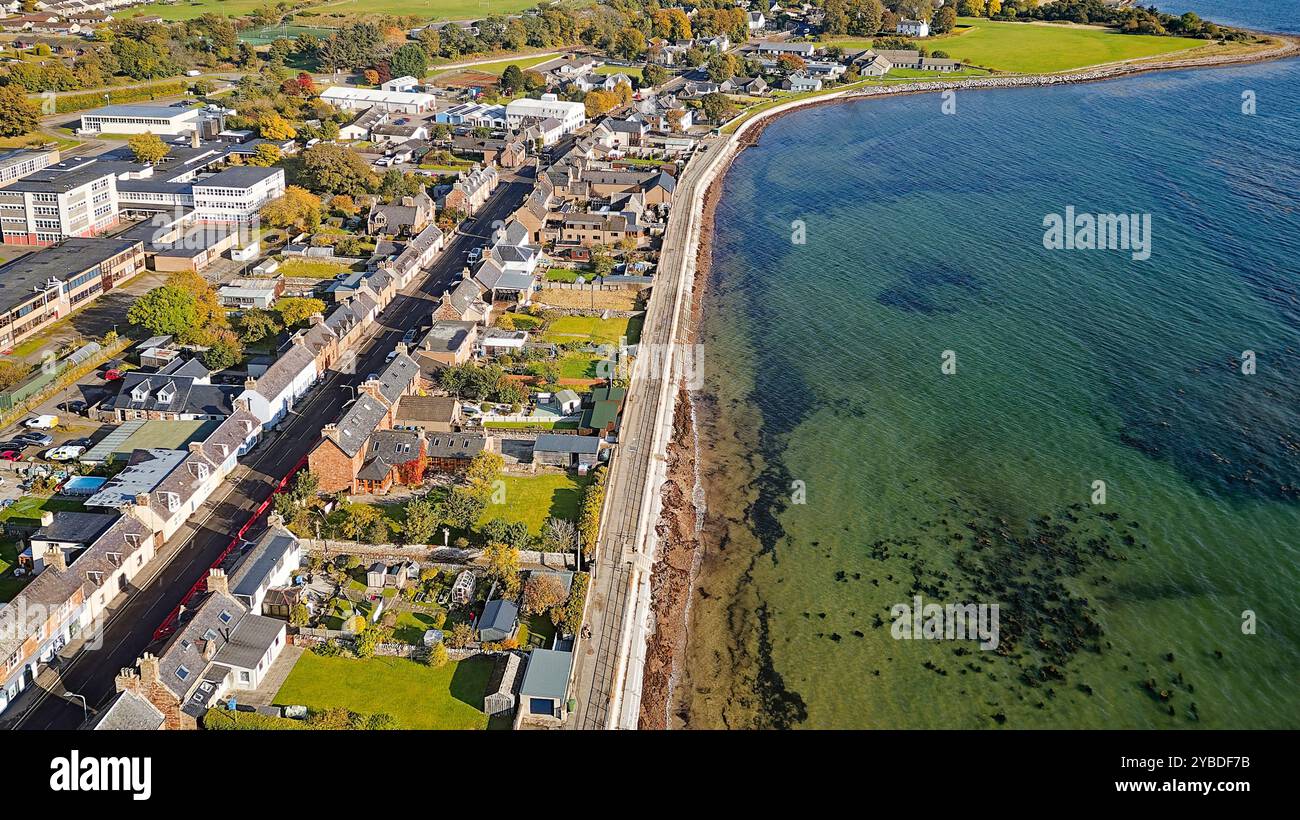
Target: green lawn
[189,9]
[533,499]
[31,506]
[498,67]
[586,328]
[9,585]
[1029,48]
[411,627]
[562,275]
[311,269]
[417,696]
[631,71]
[581,366]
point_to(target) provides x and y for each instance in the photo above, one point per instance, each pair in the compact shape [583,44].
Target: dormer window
[96,578]
[166,394]
[140,392]
[115,558]
[173,501]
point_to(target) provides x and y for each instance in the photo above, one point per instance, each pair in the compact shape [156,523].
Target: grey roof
[547,675]
[358,423]
[464,296]
[397,377]
[427,408]
[249,641]
[456,445]
[259,563]
[128,712]
[63,261]
[75,527]
[188,396]
[164,111]
[387,449]
[558,443]
[279,376]
[498,621]
[447,336]
[238,177]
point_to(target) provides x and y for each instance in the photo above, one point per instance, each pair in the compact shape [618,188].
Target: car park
[64,453]
[76,406]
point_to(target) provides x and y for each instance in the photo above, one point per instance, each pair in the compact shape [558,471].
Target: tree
[298,208]
[945,20]
[602,264]
[298,310]
[511,533]
[332,169]
[18,115]
[559,535]
[436,656]
[345,205]
[718,107]
[721,67]
[543,591]
[165,311]
[223,351]
[410,60]
[12,371]
[654,74]
[790,63]
[599,102]
[503,567]
[629,43]
[148,148]
[593,499]
[355,520]
[422,520]
[366,642]
[461,636]
[265,155]
[569,617]
[256,324]
[484,469]
[512,79]
[299,616]
[272,126]
[462,508]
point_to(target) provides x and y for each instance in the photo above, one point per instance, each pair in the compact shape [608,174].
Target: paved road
[186,557]
[625,554]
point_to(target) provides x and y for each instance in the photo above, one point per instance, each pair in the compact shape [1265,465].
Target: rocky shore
[682,546]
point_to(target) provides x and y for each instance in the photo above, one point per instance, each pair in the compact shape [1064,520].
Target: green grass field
[432,9]
[1028,48]
[417,696]
[587,328]
[533,499]
[497,67]
[631,71]
[311,269]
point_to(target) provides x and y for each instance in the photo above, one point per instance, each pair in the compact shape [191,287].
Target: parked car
[37,439]
[15,444]
[64,453]
[76,406]
[11,455]
[408,337]
[392,354]
[46,422]
[78,442]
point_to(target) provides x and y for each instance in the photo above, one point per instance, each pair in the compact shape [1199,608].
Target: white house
[913,28]
[572,115]
[270,563]
[405,83]
[273,395]
[756,21]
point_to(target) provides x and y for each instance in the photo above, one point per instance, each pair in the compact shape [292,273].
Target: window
[182,672]
[225,616]
[210,635]
[244,677]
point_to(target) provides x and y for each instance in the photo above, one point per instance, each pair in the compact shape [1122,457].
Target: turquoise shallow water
[924,235]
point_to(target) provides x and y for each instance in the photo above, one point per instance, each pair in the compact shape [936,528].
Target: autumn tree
[332,169]
[503,567]
[599,102]
[543,591]
[265,155]
[275,127]
[148,148]
[298,310]
[298,208]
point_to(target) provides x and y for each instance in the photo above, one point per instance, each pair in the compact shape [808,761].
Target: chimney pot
[148,665]
[218,582]
[55,559]
[47,518]
[196,447]
[250,383]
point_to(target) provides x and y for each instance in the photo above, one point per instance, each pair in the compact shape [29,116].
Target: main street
[185,559]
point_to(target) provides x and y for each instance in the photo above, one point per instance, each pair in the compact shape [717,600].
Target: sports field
[1032,48]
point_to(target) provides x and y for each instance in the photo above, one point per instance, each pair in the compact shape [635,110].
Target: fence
[428,555]
[631,283]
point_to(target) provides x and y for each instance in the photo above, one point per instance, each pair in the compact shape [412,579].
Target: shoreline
[675,574]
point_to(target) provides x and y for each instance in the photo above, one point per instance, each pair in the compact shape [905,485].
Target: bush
[461,636]
[329,649]
[436,656]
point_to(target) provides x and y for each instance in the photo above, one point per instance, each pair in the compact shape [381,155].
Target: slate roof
[397,377]
[547,675]
[498,621]
[557,443]
[128,712]
[75,527]
[358,423]
[259,563]
[279,376]
[387,449]
[456,445]
[447,336]
[427,408]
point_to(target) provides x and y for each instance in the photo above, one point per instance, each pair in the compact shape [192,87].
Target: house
[387,451]
[601,416]
[359,128]
[471,189]
[462,589]
[128,712]
[269,564]
[272,395]
[223,647]
[913,28]
[801,81]
[242,294]
[182,391]
[495,341]
[776,48]
[398,132]
[448,343]
[408,217]
[500,621]
[453,452]
[912,59]
[433,414]
[544,692]
[67,532]
[556,450]
[755,21]
[463,303]
[67,597]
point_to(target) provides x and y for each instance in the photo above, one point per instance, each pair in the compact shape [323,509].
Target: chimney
[250,383]
[209,650]
[47,518]
[244,404]
[196,447]
[218,582]
[194,138]
[330,431]
[317,319]
[148,665]
[56,560]
[142,501]
[402,349]
[275,520]
[127,680]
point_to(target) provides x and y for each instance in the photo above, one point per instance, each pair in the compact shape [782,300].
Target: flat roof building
[141,119]
[407,102]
